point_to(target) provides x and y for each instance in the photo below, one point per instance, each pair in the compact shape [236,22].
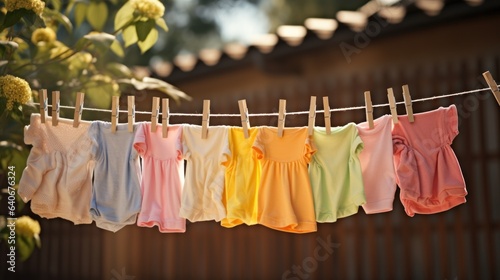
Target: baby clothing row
[286,183]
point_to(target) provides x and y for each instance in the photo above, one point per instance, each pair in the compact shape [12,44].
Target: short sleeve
[355,172]
[29,135]
[140,144]
[32,131]
[451,122]
[310,149]
[357,144]
[258,147]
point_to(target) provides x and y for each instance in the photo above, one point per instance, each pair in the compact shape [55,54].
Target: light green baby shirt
[335,173]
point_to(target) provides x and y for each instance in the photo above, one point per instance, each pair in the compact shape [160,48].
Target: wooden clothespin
[408,105]
[43,105]
[281,117]
[392,105]
[131,112]
[155,110]
[245,122]
[205,119]
[326,106]
[493,85]
[55,107]
[369,110]
[165,117]
[312,115]
[78,109]
[115,111]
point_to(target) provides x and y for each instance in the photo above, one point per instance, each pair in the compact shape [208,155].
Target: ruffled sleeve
[405,164]
[357,144]
[309,149]
[140,140]
[451,122]
[32,131]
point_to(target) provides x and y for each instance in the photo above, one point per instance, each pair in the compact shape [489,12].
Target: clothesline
[287,113]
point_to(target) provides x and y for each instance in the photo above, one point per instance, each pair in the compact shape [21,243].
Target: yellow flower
[45,35]
[36,6]
[15,90]
[27,226]
[151,9]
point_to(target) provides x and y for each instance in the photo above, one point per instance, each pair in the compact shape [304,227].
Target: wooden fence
[462,243]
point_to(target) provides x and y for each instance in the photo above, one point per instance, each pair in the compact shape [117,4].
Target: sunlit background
[196,25]
[263,51]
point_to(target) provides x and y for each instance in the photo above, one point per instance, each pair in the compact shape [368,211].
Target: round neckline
[334,129]
[378,123]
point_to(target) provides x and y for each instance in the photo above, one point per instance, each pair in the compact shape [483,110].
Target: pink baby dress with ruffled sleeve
[427,170]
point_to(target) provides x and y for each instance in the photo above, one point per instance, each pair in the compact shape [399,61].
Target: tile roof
[319,32]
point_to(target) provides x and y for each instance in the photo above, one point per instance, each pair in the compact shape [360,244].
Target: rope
[287,113]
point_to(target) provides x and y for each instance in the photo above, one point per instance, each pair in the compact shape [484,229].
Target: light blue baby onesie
[116,194]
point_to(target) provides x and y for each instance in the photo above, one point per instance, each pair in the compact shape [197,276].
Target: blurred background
[263,51]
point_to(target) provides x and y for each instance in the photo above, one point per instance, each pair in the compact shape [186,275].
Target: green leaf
[2,19]
[102,37]
[124,16]
[118,70]
[149,41]
[9,45]
[34,20]
[97,14]
[156,84]
[80,44]
[59,17]
[25,246]
[102,41]
[80,13]
[162,24]
[167,88]
[69,7]
[116,47]
[130,35]
[56,4]
[143,28]
[13,17]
